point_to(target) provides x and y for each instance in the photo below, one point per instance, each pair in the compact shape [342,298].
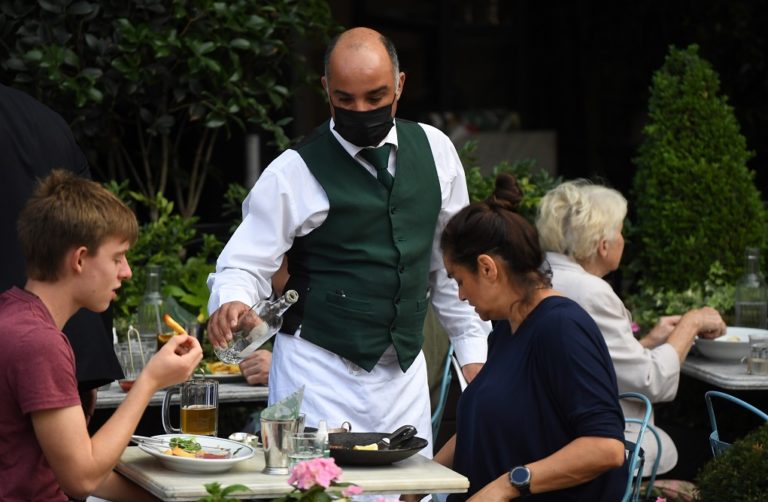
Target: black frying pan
[342,443]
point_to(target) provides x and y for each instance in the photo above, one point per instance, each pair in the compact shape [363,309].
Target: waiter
[357,208]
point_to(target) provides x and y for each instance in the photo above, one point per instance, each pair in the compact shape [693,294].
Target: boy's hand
[175,362]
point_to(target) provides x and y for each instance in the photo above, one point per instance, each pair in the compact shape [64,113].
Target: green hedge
[696,201]
[738,474]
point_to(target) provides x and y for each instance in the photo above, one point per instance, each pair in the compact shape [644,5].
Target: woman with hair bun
[580,226]
[542,417]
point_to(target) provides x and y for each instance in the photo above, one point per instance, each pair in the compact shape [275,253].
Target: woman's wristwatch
[520,478]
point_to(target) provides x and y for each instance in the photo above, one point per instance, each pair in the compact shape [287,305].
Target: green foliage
[715,291]
[166,241]
[739,473]
[695,197]
[150,84]
[218,494]
[232,206]
[534,182]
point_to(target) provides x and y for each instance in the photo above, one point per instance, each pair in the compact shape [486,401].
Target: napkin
[286,409]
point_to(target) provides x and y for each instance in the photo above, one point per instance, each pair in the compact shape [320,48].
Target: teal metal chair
[655,467]
[635,453]
[445,384]
[718,446]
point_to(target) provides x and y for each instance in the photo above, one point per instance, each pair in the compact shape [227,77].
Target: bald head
[361,43]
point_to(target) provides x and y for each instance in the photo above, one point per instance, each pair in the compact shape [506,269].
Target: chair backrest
[459,374]
[655,467]
[635,454]
[717,445]
[445,384]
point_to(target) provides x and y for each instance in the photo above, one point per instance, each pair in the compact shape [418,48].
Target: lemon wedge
[372,446]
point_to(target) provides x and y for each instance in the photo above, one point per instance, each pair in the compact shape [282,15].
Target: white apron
[337,389]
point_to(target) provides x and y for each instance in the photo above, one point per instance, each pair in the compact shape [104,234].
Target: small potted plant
[738,474]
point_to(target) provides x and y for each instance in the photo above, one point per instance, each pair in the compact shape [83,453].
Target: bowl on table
[733,346]
[342,448]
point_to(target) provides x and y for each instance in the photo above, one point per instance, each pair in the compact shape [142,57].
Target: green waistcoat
[362,276]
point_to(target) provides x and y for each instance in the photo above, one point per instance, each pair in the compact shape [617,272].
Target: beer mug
[199,401]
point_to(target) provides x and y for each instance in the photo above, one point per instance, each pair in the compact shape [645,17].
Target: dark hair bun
[507,193]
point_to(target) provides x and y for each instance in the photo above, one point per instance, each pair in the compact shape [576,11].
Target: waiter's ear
[400,84]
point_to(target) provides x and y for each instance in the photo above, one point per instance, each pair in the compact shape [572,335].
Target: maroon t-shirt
[37,372]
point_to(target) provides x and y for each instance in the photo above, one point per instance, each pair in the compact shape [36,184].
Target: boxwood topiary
[738,474]
[696,201]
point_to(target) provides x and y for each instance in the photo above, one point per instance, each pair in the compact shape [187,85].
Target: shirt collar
[563,261]
[353,150]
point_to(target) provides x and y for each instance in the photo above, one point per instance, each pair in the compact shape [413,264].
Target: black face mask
[364,128]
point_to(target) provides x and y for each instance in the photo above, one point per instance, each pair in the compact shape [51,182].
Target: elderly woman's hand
[709,323]
[661,331]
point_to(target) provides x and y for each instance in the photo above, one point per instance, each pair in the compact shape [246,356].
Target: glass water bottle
[255,327]
[150,312]
[752,294]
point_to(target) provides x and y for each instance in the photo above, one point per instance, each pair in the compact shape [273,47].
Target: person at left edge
[34,140]
[365,260]
[74,235]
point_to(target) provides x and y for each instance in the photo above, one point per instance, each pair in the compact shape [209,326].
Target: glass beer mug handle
[166,411]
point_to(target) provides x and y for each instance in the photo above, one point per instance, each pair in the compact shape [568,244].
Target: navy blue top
[547,384]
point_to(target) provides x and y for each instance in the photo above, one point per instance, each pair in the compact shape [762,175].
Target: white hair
[574,217]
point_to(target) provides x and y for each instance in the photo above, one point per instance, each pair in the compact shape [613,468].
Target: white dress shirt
[652,372]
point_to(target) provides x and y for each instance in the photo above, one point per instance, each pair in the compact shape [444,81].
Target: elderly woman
[543,416]
[580,227]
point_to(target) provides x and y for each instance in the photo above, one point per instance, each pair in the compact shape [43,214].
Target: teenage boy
[74,235]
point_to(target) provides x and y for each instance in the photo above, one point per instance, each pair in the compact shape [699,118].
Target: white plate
[197,465]
[732,346]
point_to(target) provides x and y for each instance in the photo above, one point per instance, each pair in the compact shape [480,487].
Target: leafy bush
[696,202]
[715,291]
[151,84]
[166,241]
[534,181]
[740,474]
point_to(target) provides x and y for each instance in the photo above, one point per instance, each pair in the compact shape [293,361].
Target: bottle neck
[753,264]
[279,306]
[153,281]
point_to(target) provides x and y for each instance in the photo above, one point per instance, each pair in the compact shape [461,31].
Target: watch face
[519,476]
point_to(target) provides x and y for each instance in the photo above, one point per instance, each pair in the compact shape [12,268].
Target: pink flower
[351,490]
[635,329]
[661,499]
[318,471]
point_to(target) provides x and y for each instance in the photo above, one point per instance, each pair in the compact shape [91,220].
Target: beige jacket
[652,372]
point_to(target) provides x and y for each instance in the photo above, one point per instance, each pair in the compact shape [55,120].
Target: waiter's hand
[255,367]
[471,370]
[222,322]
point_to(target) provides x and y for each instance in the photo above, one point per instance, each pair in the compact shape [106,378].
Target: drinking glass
[199,401]
[757,361]
[132,358]
[305,446]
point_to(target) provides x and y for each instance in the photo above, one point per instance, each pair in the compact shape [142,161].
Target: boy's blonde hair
[66,212]
[575,216]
